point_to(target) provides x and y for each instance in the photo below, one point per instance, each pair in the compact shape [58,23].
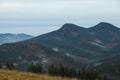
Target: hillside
[71,44]
[14,75]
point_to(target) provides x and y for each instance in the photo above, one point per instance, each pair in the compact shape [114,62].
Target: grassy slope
[14,75]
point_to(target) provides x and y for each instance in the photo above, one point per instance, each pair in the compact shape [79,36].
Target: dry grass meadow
[14,75]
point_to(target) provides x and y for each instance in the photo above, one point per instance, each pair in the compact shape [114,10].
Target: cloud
[58,12]
[59,8]
[62,7]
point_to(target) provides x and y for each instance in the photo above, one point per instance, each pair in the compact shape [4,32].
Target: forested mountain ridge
[70,45]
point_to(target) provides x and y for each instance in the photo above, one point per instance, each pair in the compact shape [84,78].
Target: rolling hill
[9,38]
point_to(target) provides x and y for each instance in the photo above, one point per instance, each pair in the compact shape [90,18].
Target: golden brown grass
[14,75]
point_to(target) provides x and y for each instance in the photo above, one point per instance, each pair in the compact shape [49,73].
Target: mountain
[9,38]
[71,45]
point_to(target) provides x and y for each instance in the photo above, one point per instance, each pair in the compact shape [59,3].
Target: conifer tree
[30,68]
[35,68]
[105,77]
[0,66]
[10,65]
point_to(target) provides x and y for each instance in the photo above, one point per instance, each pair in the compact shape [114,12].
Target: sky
[36,17]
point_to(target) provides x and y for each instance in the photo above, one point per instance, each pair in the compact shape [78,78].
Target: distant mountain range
[71,45]
[9,37]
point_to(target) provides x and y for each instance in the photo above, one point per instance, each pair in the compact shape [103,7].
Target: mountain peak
[104,25]
[70,26]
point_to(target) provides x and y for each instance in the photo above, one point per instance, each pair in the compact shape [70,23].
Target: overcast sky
[37,17]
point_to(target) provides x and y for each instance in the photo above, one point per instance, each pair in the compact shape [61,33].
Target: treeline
[9,65]
[61,70]
[65,71]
